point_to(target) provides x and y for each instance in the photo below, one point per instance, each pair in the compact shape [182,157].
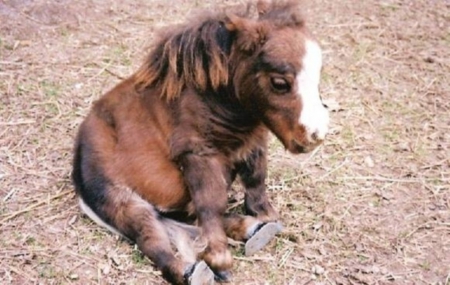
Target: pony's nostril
[317,137]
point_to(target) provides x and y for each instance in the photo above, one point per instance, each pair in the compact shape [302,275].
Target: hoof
[262,236]
[223,276]
[200,274]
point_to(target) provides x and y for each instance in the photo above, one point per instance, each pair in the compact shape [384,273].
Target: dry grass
[372,206]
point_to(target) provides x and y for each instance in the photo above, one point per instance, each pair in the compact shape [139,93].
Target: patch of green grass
[23,89]
[139,258]
[64,32]
[391,135]
[47,271]
[106,60]
[375,202]
[394,108]
[389,7]
[50,89]
[325,78]
[3,209]
[34,243]
[279,244]
[273,277]
[86,251]
[8,46]
[238,251]
[274,144]
[361,51]
[362,257]
[347,135]
[51,109]
[447,38]
[425,265]
[420,151]
[296,207]
[31,240]
[118,55]
[287,177]
[99,233]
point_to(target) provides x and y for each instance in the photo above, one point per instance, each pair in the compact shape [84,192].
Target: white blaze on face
[314,116]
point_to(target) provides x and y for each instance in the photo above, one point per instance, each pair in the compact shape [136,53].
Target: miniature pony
[156,155]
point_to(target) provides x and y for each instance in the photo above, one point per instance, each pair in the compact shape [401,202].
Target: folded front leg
[204,176]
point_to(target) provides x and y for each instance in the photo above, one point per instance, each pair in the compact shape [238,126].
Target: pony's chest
[254,140]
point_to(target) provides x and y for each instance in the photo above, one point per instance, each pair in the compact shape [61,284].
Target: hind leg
[137,220]
[118,207]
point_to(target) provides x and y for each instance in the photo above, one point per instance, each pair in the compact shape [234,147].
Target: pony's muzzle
[317,127]
[318,136]
[312,134]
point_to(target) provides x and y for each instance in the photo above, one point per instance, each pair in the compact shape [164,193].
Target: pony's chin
[296,147]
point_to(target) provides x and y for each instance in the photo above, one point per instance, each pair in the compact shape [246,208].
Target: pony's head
[277,66]
[264,56]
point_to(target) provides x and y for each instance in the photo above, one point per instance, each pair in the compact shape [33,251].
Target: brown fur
[176,61]
[173,136]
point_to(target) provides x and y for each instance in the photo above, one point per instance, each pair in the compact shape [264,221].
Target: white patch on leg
[93,216]
[314,116]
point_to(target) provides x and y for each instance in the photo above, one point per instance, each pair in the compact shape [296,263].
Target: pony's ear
[251,34]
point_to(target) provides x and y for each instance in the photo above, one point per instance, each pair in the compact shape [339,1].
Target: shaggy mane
[197,55]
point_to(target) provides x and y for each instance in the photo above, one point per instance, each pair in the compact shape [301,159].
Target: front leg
[204,177]
[253,172]
[260,232]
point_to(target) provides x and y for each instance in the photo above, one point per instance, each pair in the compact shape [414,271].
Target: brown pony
[156,155]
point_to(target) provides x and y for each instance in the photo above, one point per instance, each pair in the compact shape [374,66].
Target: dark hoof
[199,274]
[223,276]
[262,236]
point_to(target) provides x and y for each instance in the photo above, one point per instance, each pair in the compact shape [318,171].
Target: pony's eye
[280,84]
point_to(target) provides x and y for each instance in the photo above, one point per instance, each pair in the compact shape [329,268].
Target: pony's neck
[226,107]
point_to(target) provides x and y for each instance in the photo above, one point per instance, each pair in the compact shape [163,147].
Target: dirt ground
[371,206]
